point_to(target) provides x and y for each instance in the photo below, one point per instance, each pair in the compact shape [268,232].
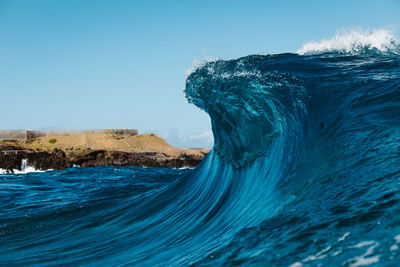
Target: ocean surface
[305,171]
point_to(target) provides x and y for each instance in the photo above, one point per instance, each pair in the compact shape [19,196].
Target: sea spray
[354,41]
[25,168]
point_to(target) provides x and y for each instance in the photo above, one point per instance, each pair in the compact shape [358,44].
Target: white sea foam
[296,264]
[366,258]
[362,261]
[201,62]
[320,255]
[396,245]
[364,243]
[344,236]
[185,168]
[28,170]
[25,168]
[352,41]
[198,63]
[397,238]
[337,252]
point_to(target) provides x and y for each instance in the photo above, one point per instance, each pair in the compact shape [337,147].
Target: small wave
[353,41]
[185,168]
[25,168]
[29,170]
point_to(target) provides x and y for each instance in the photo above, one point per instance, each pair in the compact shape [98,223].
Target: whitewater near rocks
[305,170]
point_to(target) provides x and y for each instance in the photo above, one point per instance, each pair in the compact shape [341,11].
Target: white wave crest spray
[353,41]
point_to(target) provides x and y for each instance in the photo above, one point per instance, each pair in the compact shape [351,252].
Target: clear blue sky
[121,64]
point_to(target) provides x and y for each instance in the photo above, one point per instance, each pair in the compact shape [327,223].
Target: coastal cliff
[90,150]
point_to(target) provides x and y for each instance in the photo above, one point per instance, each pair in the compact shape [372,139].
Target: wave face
[305,170]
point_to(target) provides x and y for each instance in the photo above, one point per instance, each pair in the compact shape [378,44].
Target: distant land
[44,150]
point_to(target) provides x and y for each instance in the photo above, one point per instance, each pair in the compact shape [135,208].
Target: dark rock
[11,158]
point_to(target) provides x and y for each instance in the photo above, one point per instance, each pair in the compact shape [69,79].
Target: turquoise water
[305,171]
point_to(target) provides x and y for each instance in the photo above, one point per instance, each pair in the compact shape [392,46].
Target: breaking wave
[305,170]
[354,41]
[25,168]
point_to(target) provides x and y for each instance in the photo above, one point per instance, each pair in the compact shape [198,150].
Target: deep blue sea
[305,171]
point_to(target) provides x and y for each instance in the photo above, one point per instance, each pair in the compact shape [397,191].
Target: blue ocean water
[305,171]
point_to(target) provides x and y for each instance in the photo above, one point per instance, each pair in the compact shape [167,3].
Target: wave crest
[273,101]
[353,41]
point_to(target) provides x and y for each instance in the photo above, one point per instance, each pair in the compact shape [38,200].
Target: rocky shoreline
[145,150]
[11,158]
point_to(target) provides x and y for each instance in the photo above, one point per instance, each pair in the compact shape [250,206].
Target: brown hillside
[137,143]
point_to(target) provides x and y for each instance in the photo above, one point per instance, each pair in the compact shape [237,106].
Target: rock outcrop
[11,159]
[50,156]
